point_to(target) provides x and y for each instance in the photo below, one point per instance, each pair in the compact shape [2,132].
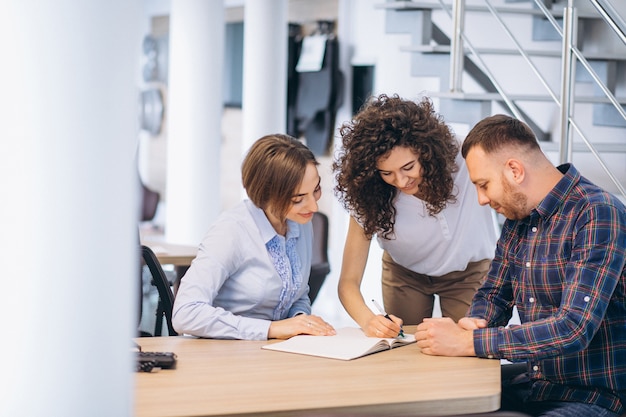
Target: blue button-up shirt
[233,289]
[563,267]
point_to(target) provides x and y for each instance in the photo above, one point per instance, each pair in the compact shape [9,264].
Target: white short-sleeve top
[461,233]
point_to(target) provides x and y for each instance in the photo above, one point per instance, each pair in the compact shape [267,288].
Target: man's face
[494,185]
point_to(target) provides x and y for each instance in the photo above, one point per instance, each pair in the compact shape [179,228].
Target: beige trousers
[411,296]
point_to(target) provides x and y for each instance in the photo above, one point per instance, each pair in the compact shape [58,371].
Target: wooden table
[228,377]
[172,254]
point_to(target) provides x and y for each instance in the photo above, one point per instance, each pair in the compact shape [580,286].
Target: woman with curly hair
[401,177]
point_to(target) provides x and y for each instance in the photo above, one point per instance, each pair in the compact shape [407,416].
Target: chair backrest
[320,267]
[166,296]
[140,332]
[149,203]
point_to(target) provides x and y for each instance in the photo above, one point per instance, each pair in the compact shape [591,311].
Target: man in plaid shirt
[561,261]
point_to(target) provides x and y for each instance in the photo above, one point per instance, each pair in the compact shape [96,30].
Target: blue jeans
[515,388]
[567,409]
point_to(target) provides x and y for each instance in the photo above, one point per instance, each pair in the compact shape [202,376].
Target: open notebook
[348,343]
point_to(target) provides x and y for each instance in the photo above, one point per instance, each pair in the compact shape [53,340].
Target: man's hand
[443,337]
[472,323]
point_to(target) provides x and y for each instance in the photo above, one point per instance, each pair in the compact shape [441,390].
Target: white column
[327,304]
[68,217]
[264,93]
[194,111]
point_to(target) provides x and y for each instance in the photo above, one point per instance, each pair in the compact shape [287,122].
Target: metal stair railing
[611,17]
[570,53]
[570,50]
[458,42]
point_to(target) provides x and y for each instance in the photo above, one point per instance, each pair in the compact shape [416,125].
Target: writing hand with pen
[384,325]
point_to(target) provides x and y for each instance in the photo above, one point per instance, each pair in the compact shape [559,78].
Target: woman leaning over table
[403,180]
[250,277]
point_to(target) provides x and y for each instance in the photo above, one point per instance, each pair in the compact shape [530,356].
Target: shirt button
[531,299]
[534,229]
[586,299]
[528,264]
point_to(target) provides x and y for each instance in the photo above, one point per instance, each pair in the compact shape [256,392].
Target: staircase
[558,65]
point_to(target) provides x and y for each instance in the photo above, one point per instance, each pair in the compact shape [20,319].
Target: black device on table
[152,361]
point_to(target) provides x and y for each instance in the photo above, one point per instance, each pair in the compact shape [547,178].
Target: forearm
[352,300]
[468,343]
[355,255]
[203,320]
[300,306]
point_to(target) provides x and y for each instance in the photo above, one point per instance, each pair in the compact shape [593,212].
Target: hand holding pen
[385,315]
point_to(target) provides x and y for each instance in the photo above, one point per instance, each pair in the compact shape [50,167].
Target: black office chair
[140,332]
[320,267]
[149,203]
[166,296]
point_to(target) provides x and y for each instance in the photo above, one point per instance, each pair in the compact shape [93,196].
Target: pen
[380,309]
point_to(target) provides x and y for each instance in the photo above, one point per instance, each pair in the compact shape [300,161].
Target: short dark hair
[273,170]
[494,132]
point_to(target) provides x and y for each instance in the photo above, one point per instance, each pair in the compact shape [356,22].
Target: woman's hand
[380,326]
[300,324]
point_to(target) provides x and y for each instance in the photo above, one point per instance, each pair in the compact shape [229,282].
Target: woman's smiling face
[402,169]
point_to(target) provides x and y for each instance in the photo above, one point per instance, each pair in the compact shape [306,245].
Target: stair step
[519,97]
[404,5]
[445,49]
[581,147]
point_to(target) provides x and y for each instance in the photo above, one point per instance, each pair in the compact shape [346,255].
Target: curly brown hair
[382,124]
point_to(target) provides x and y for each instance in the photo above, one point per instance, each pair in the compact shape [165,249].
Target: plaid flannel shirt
[563,267]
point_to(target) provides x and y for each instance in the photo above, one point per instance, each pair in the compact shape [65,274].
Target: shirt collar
[266,229]
[551,203]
